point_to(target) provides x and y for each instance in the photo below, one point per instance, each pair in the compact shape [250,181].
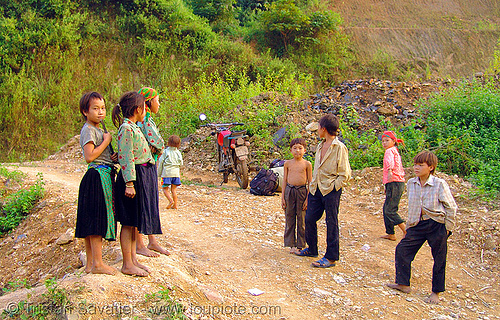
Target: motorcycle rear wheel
[242,173]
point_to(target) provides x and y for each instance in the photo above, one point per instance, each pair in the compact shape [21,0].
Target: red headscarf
[391,135]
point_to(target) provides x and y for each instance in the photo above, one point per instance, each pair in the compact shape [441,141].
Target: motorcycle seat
[238,133]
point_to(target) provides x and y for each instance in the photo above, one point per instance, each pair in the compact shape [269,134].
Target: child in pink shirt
[394,181]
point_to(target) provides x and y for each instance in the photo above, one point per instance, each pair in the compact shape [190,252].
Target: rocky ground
[225,241]
[362,103]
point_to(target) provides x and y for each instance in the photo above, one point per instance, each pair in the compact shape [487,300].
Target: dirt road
[225,241]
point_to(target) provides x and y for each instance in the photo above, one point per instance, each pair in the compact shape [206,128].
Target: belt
[295,187]
[95,165]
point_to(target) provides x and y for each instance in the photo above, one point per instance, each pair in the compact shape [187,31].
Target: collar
[129,122]
[430,181]
[334,141]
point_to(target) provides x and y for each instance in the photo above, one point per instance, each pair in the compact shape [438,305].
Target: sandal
[306,253]
[323,263]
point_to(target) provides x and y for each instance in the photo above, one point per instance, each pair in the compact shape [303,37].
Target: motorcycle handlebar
[222,125]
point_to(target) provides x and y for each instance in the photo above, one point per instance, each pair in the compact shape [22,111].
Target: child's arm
[389,163]
[449,204]
[309,178]
[343,168]
[126,158]
[91,152]
[152,135]
[283,187]
[177,158]
[160,164]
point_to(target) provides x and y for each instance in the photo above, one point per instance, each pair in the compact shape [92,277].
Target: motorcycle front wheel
[242,173]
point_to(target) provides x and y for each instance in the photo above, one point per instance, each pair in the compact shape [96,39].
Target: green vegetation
[15,285]
[14,175]
[51,51]
[55,302]
[463,129]
[18,204]
[162,304]
[461,126]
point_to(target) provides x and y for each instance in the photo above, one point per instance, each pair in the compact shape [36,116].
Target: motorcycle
[232,150]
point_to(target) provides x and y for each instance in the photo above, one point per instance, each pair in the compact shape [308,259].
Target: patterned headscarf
[148,93]
[391,135]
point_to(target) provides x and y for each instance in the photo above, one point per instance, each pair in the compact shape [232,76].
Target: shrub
[19,204]
[463,129]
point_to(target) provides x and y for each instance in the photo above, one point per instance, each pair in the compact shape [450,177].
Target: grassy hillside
[436,38]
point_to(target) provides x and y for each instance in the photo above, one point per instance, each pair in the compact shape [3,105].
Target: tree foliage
[285,25]
[52,51]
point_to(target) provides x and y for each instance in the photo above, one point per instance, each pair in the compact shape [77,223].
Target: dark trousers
[436,235]
[316,204]
[393,192]
[294,215]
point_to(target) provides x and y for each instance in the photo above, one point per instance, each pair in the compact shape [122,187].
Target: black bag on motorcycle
[265,183]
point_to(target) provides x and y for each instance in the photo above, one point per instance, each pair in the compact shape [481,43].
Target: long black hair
[129,102]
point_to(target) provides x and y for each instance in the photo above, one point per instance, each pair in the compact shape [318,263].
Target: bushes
[463,129]
[168,21]
[222,97]
[18,205]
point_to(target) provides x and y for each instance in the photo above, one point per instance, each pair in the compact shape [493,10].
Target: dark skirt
[142,210]
[91,216]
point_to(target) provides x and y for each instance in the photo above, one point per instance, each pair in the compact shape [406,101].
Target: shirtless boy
[297,175]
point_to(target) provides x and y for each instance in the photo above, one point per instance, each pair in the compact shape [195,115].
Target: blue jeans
[316,205]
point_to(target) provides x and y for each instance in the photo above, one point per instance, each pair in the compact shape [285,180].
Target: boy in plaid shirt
[431,218]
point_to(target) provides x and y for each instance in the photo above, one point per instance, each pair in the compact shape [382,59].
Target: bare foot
[143,267]
[88,268]
[405,289]
[391,237]
[433,298]
[156,247]
[147,253]
[174,207]
[135,271]
[170,205]
[104,269]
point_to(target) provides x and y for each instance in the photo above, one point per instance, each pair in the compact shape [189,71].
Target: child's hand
[114,157]
[304,205]
[389,176]
[107,137]
[130,191]
[283,203]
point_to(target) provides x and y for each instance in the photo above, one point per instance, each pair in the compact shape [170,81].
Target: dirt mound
[70,151]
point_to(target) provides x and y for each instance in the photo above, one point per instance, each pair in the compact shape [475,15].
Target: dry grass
[434,38]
